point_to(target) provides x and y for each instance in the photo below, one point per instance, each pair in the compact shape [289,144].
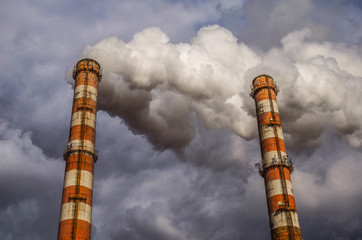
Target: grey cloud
[31,187]
[323,184]
[263,24]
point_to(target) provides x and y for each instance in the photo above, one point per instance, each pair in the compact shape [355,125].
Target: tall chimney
[276,166]
[80,155]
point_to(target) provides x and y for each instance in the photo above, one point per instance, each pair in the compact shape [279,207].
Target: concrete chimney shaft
[276,166]
[80,155]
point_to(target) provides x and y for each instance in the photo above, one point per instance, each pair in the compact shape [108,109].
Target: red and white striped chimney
[80,155]
[276,166]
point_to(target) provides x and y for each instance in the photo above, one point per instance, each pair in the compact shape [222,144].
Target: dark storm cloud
[263,23]
[327,181]
[29,182]
[192,204]
[210,190]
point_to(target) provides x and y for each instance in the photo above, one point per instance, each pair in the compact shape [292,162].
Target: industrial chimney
[276,166]
[80,155]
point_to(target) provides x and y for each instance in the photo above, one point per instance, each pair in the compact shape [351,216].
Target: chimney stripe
[85,91]
[71,178]
[80,116]
[272,157]
[82,132]
[264,94]
[274,173]
[84,211]
[88,78]
[268,132]
[81,143]
[274,201]
[279,219]
[84,104]
[72,192]
[270,144]
[267,118]
[83,229]
[278,232]
[264,106]
[86,163]
[274,187]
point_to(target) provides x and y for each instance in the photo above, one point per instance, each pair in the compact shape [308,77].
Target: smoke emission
[160,89]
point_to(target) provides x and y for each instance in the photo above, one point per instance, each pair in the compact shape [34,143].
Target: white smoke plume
[160,89]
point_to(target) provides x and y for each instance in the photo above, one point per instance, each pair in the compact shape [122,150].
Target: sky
[176,127]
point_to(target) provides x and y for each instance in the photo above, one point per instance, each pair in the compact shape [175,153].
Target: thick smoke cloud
[160,89]
[157,87]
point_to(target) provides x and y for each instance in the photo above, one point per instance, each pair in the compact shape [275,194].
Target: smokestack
[80,155]
[276,166]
